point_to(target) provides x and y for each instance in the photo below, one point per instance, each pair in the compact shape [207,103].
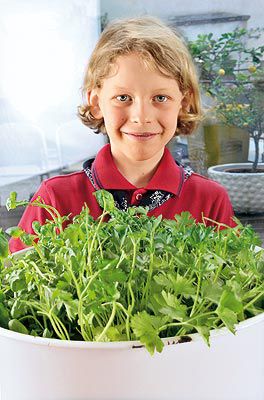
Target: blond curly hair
[159,46]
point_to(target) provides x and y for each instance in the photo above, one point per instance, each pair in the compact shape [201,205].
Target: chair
[76,142]
[23,152]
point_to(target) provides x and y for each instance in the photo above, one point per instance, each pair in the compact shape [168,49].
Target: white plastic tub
[49,369]
[34,368]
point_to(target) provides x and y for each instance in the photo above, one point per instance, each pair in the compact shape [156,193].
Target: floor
[256,221]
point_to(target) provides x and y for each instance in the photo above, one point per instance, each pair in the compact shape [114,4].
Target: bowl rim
[196,337]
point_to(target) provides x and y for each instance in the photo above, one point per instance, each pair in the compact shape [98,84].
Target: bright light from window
[37,63]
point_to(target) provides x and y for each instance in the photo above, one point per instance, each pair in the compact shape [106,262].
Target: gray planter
[246,190]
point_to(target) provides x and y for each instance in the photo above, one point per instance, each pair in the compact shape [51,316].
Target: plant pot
[246,190]
[217,144]
[49,369]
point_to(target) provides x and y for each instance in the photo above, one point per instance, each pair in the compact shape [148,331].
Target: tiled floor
[24,189]
[256,221]
[10,218]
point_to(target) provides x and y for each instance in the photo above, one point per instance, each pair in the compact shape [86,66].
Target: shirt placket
[137,196]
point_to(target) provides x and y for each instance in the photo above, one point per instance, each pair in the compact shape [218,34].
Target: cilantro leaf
[146,329]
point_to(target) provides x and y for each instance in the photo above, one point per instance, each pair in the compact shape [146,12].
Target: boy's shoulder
[65,181]
[76,175]
[203,183]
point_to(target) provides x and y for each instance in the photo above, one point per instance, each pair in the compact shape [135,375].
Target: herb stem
[181,331]
[55,215]
[68,265]
[197,290]
[34,265]
[91,248]
[57,329]
[150,271]
[62,327]
[36,247]
[254,300]
[109,323]
[130,291]
[32,317]
[122,308]
[162,328]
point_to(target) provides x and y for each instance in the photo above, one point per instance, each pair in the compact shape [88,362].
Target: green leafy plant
[127,276]
[231,73]
[241,104]
[226,55]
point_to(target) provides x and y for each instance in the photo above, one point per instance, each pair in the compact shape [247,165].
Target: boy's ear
[93,102]
[187,102]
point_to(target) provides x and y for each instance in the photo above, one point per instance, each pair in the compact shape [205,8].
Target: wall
[166,8]
[120,8]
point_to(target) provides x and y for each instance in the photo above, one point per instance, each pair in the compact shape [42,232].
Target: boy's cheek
[115,119]
[112,125]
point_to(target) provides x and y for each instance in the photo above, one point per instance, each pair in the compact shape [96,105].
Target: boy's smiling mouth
[141,136]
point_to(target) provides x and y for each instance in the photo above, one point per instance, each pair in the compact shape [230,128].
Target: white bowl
[34,368]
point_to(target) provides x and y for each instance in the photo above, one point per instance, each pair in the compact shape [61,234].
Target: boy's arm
[224,212]
[32,213]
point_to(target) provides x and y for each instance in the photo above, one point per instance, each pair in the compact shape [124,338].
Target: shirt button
[138,196]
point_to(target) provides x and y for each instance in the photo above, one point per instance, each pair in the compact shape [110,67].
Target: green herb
[127,276]
[3,245]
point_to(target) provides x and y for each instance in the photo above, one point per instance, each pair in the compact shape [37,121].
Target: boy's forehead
[136,61]
[126,68]
[140,61]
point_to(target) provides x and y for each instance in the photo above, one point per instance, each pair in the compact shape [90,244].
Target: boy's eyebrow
[126,89]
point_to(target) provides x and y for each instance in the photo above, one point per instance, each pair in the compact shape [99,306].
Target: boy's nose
[141,113]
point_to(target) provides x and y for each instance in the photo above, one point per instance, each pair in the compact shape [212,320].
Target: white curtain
[44,48]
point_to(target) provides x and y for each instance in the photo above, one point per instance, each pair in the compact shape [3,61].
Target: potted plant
[224,63]
[81,307]
[240,102]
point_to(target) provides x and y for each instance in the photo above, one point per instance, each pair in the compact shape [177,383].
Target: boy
[141,90]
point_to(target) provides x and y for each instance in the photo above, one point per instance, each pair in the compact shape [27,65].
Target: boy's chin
[142,154]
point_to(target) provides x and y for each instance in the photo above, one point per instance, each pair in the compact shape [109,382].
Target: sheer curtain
[44,48]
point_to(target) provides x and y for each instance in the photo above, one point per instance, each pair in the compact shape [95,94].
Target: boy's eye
[161,99]
[122,97]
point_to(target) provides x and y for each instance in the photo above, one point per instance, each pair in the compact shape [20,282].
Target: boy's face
[140,108]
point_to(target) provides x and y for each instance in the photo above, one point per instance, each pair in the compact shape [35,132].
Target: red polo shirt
[68,193]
